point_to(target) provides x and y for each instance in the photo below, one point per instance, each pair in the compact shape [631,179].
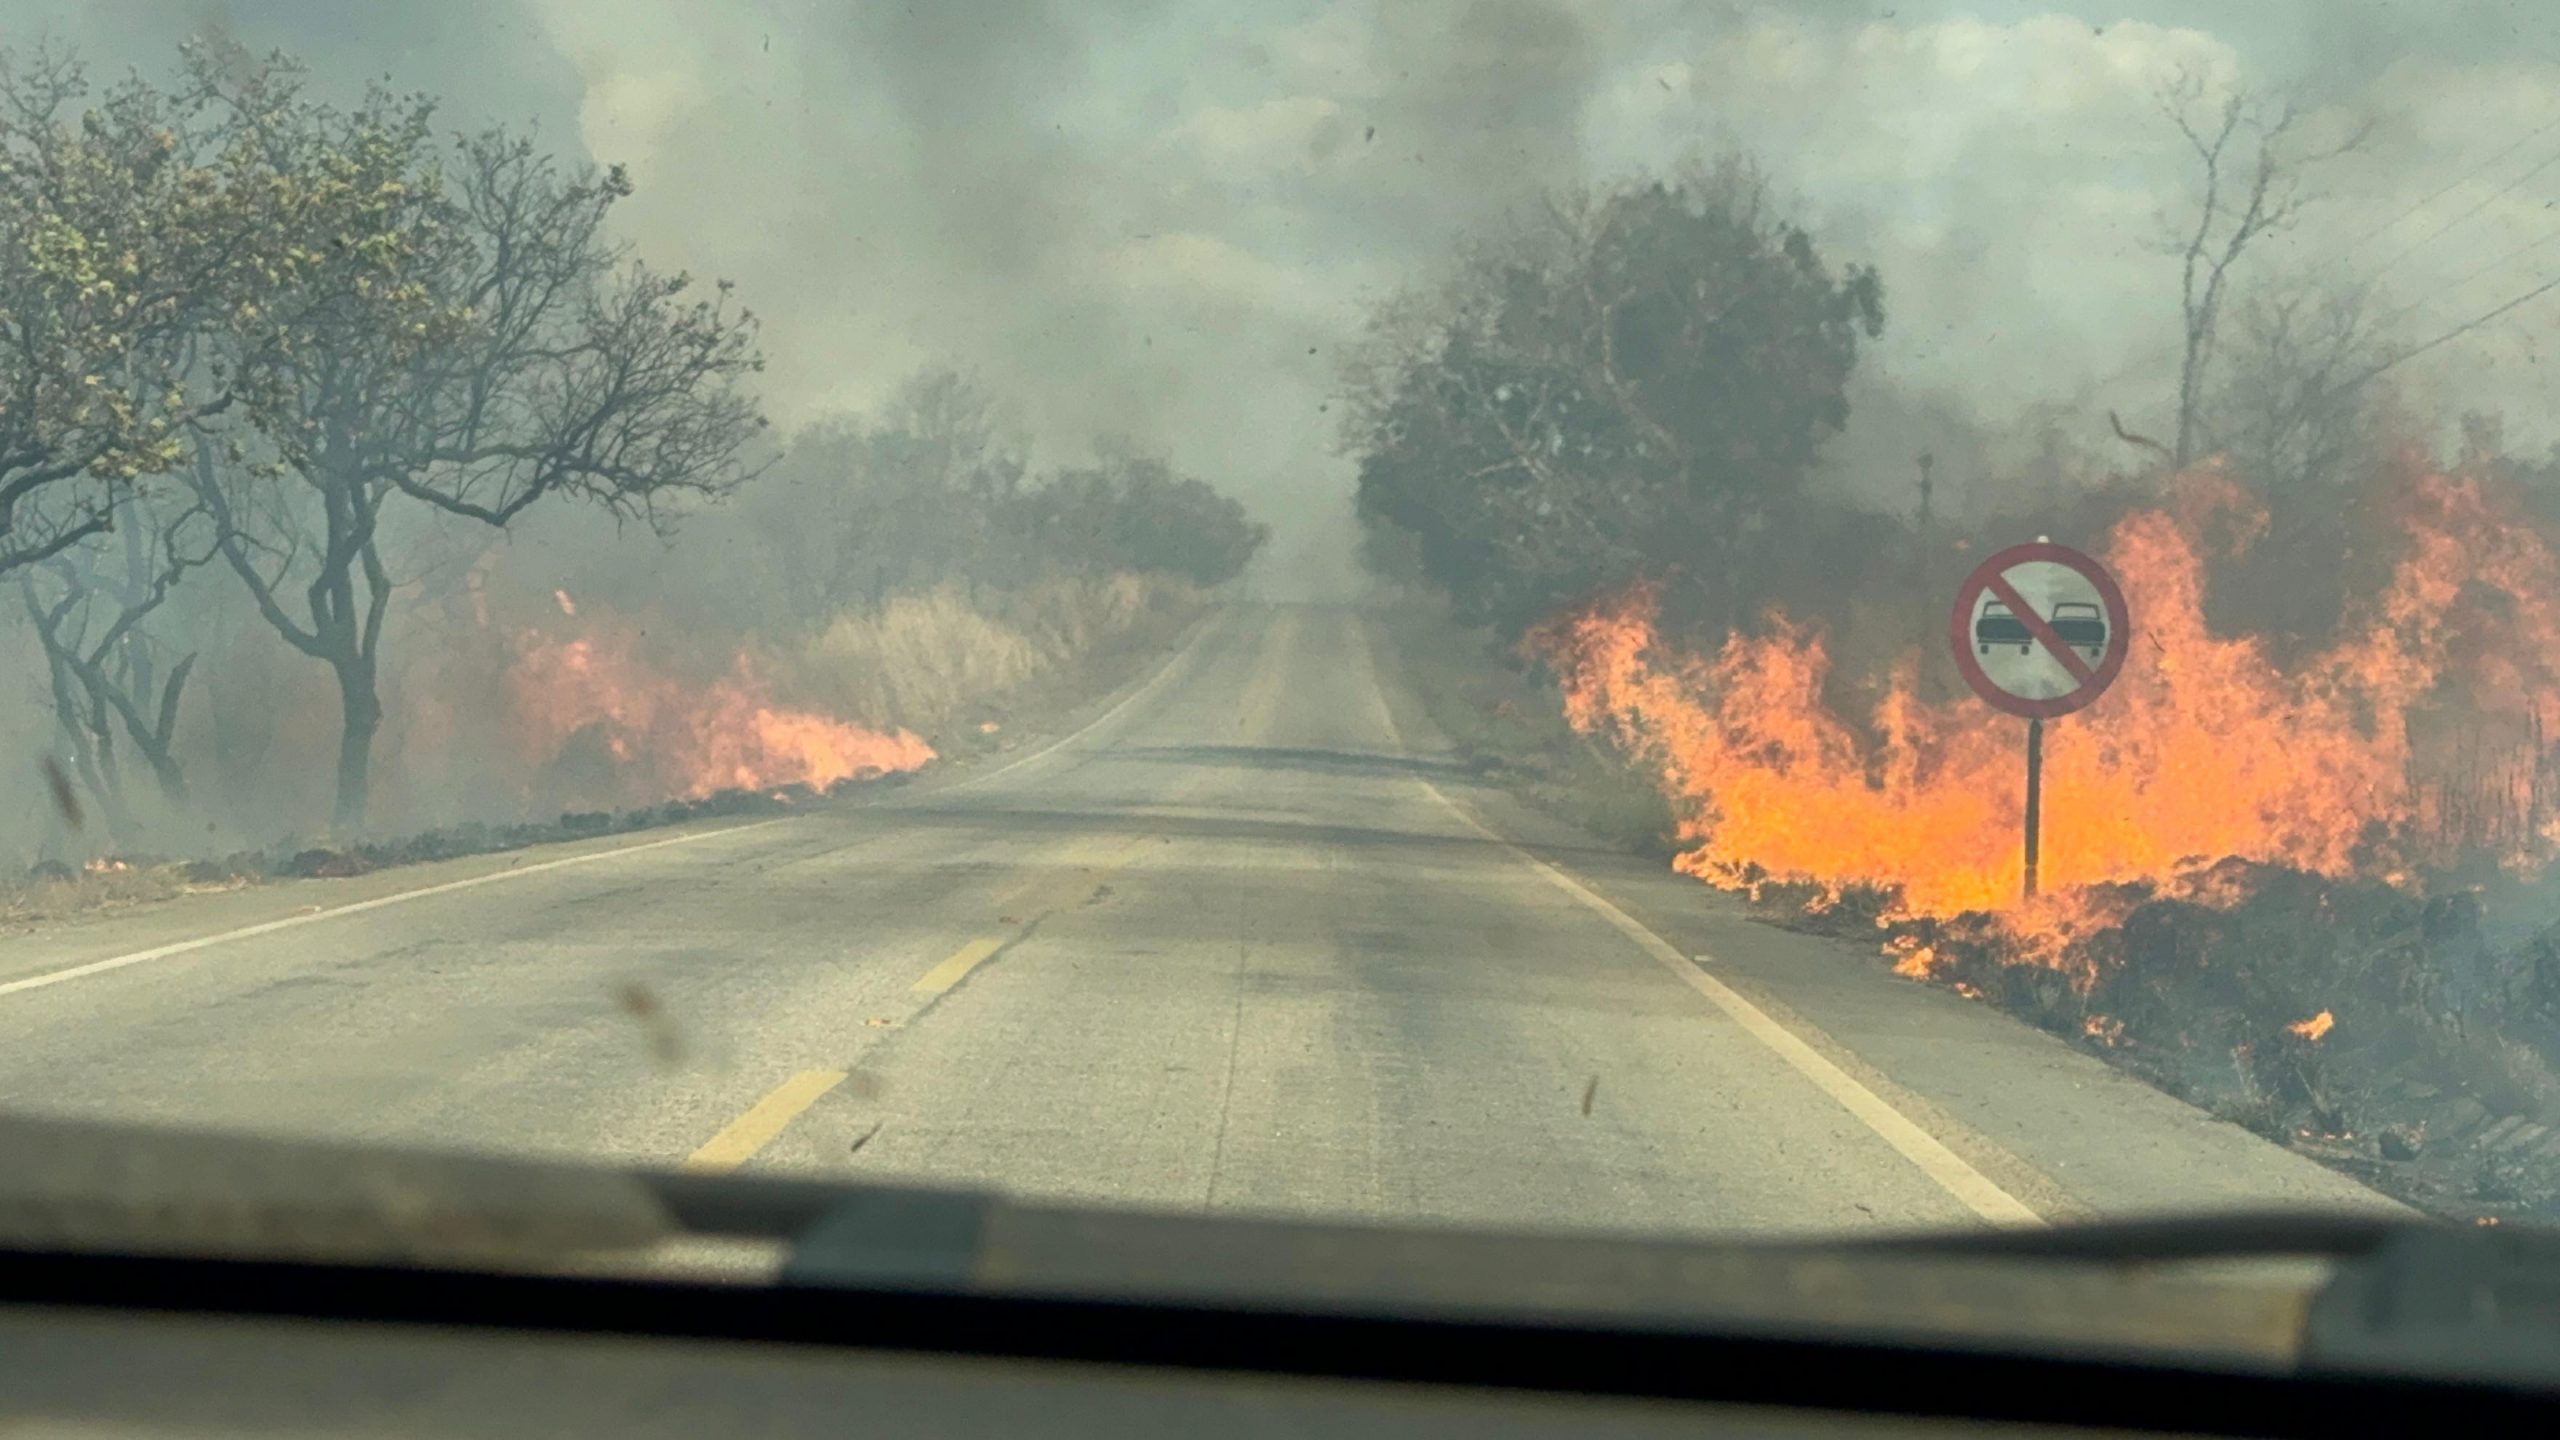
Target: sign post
[2035,797]
[2039,631]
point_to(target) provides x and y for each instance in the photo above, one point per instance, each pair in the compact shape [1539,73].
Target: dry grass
[1509,722]
[916,662]
[928,662]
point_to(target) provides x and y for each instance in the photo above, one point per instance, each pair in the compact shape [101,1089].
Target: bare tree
[484,348]
[110,676]
[2291,410]
[937,471]
[2251,162]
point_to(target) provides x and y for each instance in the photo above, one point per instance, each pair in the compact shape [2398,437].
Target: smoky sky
[489,60]
[1162,219]
[2324,40]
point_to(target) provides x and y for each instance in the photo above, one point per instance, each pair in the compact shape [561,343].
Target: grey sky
[1161,218]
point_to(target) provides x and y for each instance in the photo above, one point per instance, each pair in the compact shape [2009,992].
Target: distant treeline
[935,490]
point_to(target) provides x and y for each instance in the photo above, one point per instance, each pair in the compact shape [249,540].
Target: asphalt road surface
[1247,940]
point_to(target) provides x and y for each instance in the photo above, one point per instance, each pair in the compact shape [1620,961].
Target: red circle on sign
[2119,630]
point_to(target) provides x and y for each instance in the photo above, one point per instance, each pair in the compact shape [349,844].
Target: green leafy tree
[1639,382]
[465,342]
[127,228]
[935,474]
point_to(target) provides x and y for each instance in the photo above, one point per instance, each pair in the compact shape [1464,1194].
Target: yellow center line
[1027,903]
[956,965]
[767,1118]
[1074,872]
[1028,899]
[773,1114]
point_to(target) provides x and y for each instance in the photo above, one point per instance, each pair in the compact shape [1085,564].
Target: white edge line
[1953,1174]
[183,947]
[1153,683]
[358,907]
[1949,1170]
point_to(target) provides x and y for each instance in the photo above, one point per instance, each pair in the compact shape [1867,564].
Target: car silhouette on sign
[2081,625]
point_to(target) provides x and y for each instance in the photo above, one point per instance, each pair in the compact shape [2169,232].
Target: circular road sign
[2040,630]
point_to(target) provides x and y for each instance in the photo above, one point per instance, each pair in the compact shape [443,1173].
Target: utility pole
[1921,568]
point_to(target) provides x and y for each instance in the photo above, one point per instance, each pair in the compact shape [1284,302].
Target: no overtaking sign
[2039,631]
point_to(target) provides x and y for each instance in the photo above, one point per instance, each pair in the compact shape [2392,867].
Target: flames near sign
[2263,831]
[2039,630]
[2336,760]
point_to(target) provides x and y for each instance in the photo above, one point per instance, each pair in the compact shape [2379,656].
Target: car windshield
[1344,611]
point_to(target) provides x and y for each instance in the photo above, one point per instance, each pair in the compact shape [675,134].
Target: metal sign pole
[2021,600]
[2035,797]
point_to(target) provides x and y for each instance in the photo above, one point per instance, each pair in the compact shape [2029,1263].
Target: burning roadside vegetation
[601,732]
[2302,881]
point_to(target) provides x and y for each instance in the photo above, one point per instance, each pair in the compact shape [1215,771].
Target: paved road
[1249,940]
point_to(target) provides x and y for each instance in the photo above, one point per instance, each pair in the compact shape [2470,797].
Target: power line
[2445,189]
[2467,326]
[2483,203]
[2536,243]
[2171,351]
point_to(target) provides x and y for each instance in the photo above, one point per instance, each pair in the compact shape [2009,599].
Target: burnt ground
[2437,1080]
[301,862]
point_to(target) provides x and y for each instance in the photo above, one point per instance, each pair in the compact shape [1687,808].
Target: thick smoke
[1139,221]
[1159,221]
[488,59]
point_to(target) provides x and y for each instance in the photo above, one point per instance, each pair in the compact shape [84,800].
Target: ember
[2315,1028]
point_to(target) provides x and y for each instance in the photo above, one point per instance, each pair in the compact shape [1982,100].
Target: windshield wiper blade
[2437,1300]
[81,1185]
[2401,1294]
[2327,1234]
[2404,1294]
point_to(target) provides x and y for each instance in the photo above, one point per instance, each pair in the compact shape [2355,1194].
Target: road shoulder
[1985,1085]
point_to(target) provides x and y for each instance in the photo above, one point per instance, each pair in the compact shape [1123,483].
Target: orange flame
[688,740]
[2314,1028]
[2207,747]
